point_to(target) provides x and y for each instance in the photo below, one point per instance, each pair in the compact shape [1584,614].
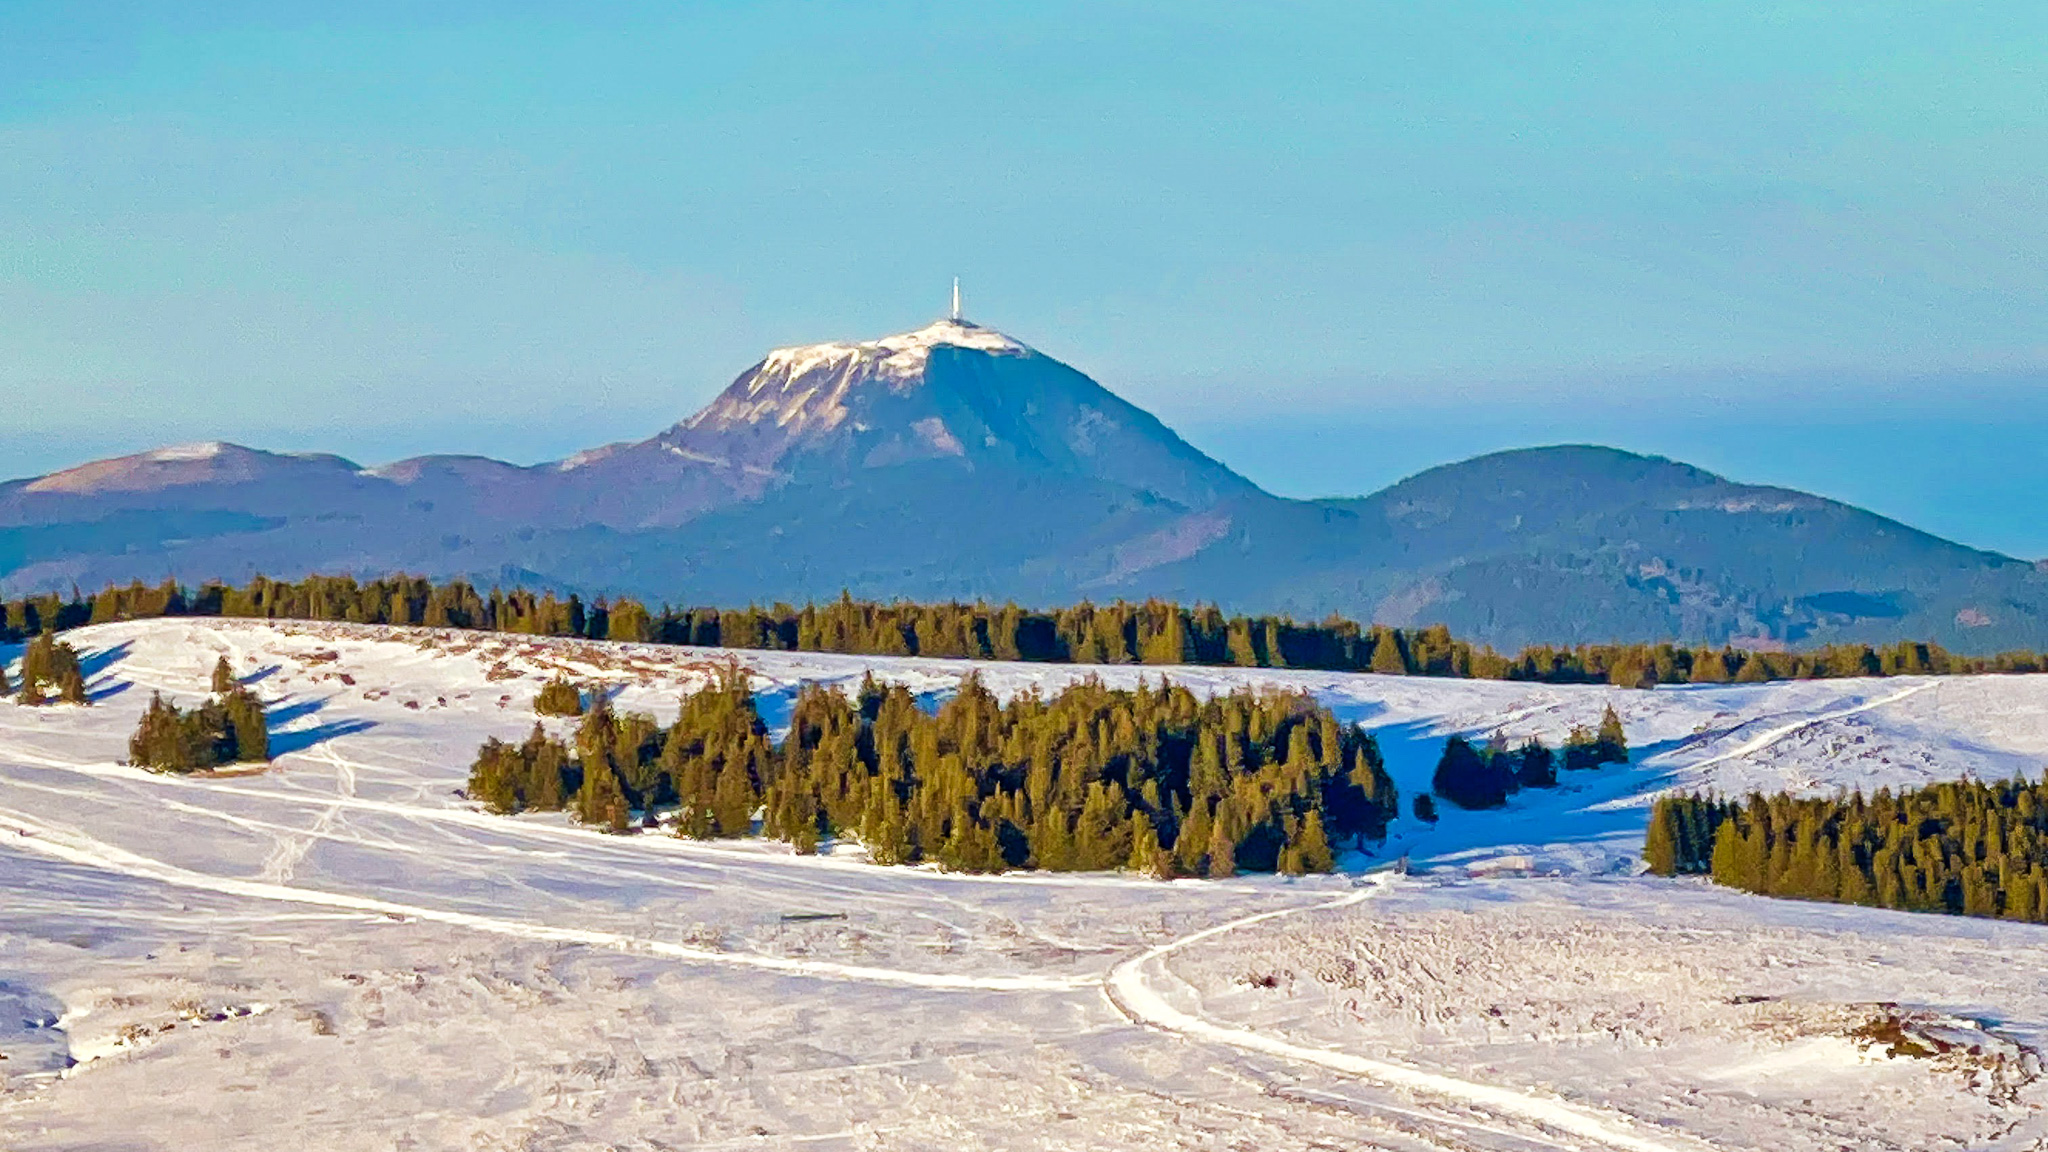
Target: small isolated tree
[558,697]
[223,677]
[1610,744]
[1425,808]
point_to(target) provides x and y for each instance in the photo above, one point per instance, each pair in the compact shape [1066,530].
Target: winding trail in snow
[74,847]
[1137,988]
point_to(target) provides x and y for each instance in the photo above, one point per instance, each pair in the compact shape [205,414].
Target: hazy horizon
[1330,244]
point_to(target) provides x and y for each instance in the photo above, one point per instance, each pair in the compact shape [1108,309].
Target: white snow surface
[343,952]
[900,356]
[807,389]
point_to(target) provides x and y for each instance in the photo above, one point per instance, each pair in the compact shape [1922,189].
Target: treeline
[1484,776]
[1154,779]
[1152,632]
[1964,847]
[229,728]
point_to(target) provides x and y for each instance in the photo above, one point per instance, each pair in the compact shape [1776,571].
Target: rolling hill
[956,461]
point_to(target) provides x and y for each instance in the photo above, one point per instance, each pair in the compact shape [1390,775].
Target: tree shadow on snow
[100,659]
[284,712]
[284,743]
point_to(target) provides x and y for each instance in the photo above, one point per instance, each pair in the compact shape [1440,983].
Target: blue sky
[1332,243]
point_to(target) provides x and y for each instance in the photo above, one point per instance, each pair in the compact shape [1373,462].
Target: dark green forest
[1152,632]
[1964,847]
[1153,779]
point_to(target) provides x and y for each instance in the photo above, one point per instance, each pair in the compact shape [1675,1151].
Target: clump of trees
[1154,779]
[558,697]
[1484,777]
[228,728]
[1153,632]
[50,670]
[1965,847]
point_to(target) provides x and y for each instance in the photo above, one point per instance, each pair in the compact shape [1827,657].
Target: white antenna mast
[956,298]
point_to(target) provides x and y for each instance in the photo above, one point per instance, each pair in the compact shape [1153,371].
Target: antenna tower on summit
[956,298]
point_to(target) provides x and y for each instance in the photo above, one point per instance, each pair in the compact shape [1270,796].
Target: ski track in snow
[1772,736]
[73,847]
[1136,988]
[409,821]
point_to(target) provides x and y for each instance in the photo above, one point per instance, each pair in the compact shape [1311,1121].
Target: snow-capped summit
[952,391]
[184,465]
[809,387]
[900,357]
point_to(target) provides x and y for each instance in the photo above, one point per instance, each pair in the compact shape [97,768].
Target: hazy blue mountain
[955,461]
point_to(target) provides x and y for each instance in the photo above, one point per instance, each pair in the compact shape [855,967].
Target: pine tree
[558,697]
[1387,659]
[1611,744]
[1313,845]
[223,677]
[1660,847]
[1468,778]
[1425,808]
[601,800]
[1222,862]
[1147,857]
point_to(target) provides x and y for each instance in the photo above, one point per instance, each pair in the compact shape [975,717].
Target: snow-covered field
[341,952]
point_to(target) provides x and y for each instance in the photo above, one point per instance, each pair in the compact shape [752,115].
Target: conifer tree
[601,801]
[1312,846]
[558,697]
[1660,847]
[223,677]
[1610,743]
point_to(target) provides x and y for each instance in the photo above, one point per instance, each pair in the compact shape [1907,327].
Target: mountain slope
[1579,543]
[955,461]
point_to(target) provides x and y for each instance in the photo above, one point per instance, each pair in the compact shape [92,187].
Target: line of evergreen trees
[1153,779]
[228,728]
[1153,632]
[1965,847]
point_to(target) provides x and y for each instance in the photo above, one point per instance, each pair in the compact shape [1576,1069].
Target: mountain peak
[184,465]
[899,358]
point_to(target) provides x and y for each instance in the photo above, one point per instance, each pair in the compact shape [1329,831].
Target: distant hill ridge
[956,462]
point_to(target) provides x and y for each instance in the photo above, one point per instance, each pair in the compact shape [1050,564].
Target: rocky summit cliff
[956,461]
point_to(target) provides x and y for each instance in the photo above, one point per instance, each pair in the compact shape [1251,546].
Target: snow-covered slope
[245,959]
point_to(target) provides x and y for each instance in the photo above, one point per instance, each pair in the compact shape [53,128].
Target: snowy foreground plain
[342,953]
